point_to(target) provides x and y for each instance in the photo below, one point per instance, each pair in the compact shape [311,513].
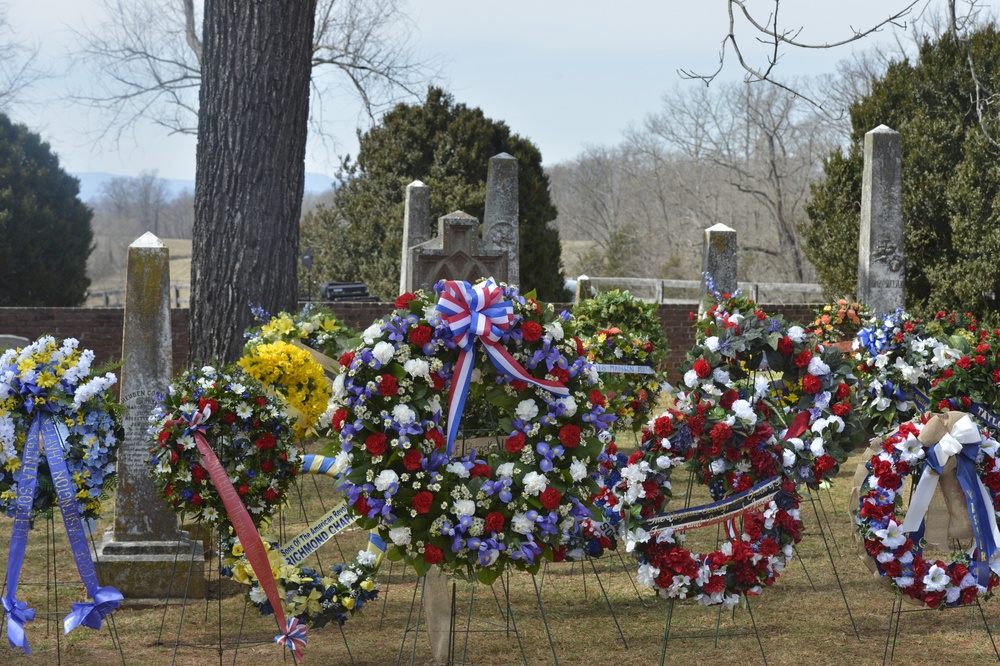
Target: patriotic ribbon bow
[472,313]
[18,614]
[106,600]
[294,638]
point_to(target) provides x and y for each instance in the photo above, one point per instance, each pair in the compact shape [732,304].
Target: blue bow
[17,614]
[106,600]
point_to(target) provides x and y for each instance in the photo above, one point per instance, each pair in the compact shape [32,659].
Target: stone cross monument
[146,555]
[881,275]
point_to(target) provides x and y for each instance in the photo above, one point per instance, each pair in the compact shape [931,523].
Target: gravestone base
[152,569]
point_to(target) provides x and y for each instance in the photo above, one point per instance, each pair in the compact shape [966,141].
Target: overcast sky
[566,74]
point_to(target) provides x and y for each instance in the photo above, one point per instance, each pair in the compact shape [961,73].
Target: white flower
[818,367]
[417,367]
[718,466]
[817,447]
[257,594]
[341,462]
[647,575]
[663,462]
[892,536]
[403,415]
[535,483]
[463,507]
[366,559]
[822,400]
[383,352]
[400,535]
[721,376]
[520,524]
[936,579]
[339,390]
[569,405]
[744,411]
[372,333]
[796,333]
[691,378]
[347,577]
[909,373]
[641,536]
[505,470]
[434,404]
[578,470]
[385,479]
[458,469]
[761,386]
[555,329]
[526,410]
[712,343]
[945,356]
[208,371]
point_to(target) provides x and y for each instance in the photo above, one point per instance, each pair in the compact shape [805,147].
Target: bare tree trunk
[252,123]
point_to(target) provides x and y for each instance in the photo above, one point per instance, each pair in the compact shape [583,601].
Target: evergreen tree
[448,147]
[951,186]
[44,227]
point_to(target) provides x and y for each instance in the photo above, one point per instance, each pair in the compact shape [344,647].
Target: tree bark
[250,170]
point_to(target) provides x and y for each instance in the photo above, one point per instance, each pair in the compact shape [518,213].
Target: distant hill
[92,181]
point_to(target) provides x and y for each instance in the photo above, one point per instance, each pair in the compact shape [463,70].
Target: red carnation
[164,436]
[421,335]
[569,435]
[494,522]
[812,384]
[720,434]
[198,473]
[437,380]
[481,469]
[979,360]
[702,368]
[229,418]
[996,376]
[270,495]
[376,444]
[597,398]
[825,463]
[843,390]
[965,363]
[361,505]
[267,466]
[580,351]
[347,358]
[412,459]
[550,498]
[515,442]
[433,554]
[422,501]
[802,359]
[519,384]
[785,346]
[403,300]
[561,375]
[243,490]
[435,437]
[531,331]
[339,419]
[842,409]
[388,386]
[266,442]
[196,499]
[663,426]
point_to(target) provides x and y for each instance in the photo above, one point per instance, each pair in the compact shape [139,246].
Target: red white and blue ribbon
[48,436]
[472,313]
[246,531]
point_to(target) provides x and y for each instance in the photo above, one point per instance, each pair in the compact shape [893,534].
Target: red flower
[376,444]
[481,469]
[435,437]
[531,331]
[843,390]
[412,459]
[196,499]
[550,498]
[996,376]
[243,490]
[229,418]
[339,419]
[569,435]
[437,380]
[433,554]
[266,442]
[403,300]
[720,434]
[361,505]
[494,522]
[802,359]
[515,442]
[715,584]
[519,384]
[267,466]
[663,426]
[163,438]
[211,403]
[842,409]
[580,351]
[421,335]
[560,374]
[825,463]
[597,398]
[270,495]
[965,363]
[198,473]
[388,386]
[812,384]
[702,368]
[422,501]
[346,359]
[785,346]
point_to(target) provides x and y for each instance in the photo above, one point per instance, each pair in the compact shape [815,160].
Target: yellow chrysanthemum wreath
[295,375]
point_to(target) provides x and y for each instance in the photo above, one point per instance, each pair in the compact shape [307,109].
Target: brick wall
[100,329]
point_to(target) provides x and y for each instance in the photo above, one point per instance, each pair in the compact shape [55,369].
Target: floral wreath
[309,596]
[630,395]
[55,377]
[314,326]
[893,546]
[840,321]
[401,395]
[246,428]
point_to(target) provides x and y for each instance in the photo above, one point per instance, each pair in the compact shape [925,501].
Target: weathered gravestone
[146,555]
[458,252]
[881,277]
[718,258]
[13,342]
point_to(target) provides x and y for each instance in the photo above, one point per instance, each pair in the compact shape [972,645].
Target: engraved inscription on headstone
[881,265]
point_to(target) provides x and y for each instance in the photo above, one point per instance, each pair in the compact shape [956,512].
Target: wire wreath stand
[202,630]
[56,557]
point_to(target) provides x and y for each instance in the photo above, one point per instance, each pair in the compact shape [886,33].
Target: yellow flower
[368,585]
[311,602]
[238,549]
[348,603]
[12,464]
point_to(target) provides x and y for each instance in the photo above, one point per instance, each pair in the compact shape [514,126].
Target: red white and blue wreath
[402,394]
[58,441]
[895,542]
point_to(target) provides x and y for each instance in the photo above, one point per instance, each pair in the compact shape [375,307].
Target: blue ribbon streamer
[16,611]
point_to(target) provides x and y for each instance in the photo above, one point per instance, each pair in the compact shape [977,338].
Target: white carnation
[383,352]
[526,410]
[535,483]
[400,535]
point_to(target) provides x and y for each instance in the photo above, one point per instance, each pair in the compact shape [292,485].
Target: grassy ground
[801,620]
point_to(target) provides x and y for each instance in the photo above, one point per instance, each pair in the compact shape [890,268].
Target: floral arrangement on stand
[314,326]
[894,355]
[293,373]
[620,309]
[630,395]
[401,395]
[55,377]
[840,320]
[895,545]
[247,429]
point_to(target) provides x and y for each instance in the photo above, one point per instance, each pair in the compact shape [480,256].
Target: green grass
[797,624]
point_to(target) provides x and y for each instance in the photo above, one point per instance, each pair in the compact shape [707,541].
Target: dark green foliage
[448,147]
[45,233]
[950,180]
